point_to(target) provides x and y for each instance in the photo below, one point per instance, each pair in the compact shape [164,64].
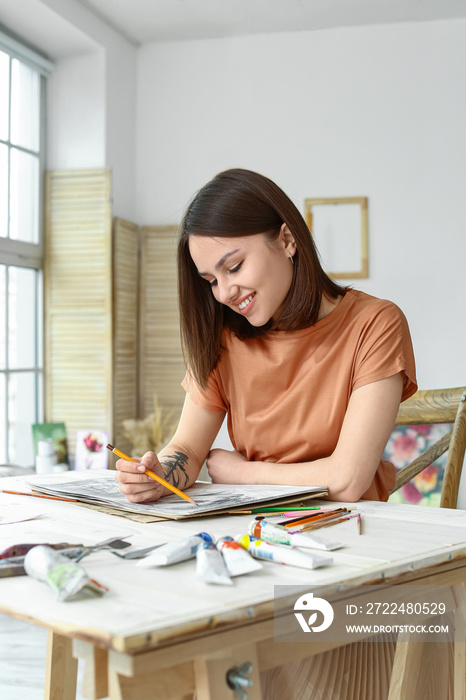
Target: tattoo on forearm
[175,469]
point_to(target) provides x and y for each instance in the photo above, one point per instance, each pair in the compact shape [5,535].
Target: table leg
[421,670]
[61,668]
[460,643]
[95,683]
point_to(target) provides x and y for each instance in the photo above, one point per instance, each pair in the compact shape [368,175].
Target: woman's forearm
[180,465]
[341,477]
[343,484]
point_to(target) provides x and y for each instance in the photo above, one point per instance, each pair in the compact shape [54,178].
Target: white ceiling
[165,20]
[40,22]
[35,23]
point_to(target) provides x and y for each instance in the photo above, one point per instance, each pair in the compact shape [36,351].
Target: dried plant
[150,433]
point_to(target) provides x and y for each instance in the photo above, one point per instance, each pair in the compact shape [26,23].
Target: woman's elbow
[347,495]
[349,491]
[349,479]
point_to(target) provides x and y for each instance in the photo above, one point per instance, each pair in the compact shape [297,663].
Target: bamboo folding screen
[125,304]
[111,317]
[78,324]
[161,363]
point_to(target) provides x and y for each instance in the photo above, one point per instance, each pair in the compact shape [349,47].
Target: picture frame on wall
[339,226]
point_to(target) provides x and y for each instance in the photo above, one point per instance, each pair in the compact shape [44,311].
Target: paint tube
[236,558]
[210,566]
[173,552]
[282,555]
[66,578]
[269,532]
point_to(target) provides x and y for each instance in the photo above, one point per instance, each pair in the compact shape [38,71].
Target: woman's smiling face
[246,273]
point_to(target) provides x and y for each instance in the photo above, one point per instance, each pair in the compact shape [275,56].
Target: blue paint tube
[210,566]
[173,552]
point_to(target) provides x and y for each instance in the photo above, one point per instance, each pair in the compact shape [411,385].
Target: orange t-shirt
[286,394]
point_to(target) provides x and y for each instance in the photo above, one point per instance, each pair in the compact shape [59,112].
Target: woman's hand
[137,486]
[228,467]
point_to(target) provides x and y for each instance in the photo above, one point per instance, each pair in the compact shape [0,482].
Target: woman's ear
[288,240]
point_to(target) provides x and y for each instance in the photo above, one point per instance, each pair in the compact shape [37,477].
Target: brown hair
[240,202]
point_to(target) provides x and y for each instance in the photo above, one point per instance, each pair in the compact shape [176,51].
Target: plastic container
[46,458]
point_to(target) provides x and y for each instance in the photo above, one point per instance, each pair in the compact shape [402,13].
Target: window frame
[23,254]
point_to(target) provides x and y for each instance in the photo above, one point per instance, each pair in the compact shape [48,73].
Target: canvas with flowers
[90,449]
[405,444]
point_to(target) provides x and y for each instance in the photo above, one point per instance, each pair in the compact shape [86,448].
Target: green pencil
[277,509]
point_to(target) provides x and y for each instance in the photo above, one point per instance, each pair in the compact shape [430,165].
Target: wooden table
[161,633]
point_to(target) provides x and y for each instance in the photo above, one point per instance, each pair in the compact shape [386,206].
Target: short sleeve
[385,348]
[209,398]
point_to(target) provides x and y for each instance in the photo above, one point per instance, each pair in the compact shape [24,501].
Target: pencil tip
[191,500]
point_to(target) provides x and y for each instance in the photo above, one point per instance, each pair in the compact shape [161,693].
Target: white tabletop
[164,602]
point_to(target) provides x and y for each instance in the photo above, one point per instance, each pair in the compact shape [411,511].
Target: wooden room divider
[111,317]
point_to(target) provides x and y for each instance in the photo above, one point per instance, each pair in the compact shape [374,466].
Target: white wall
[76,113]
[92,104]
[378,111]
[120,138]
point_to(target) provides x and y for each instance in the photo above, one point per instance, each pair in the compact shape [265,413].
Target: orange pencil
[153,476]
[314,518]
[323,523]
[39,495]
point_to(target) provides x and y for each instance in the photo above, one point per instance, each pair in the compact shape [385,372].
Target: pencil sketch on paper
[209,497]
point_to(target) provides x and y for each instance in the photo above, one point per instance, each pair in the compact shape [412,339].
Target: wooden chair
[431,407]
[426,408]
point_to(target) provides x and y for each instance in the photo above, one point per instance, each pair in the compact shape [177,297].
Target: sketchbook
[211,499]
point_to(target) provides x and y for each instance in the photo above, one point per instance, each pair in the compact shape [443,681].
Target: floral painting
[90,449]
[405,444]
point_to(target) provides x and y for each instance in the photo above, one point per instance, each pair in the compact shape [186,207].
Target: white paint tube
[65,577]
[237,559]
[276,534]
[210,566]
[282,555]
[173,552]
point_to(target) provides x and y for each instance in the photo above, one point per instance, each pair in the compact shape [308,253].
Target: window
[22,95]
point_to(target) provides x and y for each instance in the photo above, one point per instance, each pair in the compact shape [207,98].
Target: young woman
[310,374]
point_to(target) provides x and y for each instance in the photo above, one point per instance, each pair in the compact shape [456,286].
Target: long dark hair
[234,203]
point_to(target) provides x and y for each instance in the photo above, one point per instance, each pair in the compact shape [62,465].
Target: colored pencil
[321,523]
[342,520]
[321,509]
[315,517]
[283,510]
[153,476]
[39,495]
[334,520]
[314,525]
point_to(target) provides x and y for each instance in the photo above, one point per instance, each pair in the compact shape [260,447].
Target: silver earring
[291,258]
